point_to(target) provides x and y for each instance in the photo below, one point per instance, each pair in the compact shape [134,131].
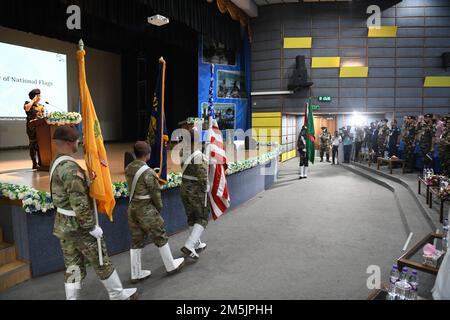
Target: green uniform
[409,138]
[144,211]
[194,187]
[444,152]
[325,140]
[70,192]
[383,135]
[426,142]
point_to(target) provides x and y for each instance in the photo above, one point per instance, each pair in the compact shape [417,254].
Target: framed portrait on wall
[230,85]
[225,115]
[215,52]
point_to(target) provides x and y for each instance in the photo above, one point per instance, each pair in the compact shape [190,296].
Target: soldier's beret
[34,93]
[428,116]
[66,133]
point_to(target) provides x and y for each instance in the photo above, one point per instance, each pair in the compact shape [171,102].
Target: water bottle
[424,173]
[393,278]
[414,283]
[445,229]
[386,154]
[402,287]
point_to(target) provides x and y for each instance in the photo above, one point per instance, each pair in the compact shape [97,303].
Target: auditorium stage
[15,165]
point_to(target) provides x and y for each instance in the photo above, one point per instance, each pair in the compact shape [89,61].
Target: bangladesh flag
[311,139]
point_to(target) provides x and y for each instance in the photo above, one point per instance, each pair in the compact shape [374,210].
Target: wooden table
[435,191]
[405,259]
[382,160]
[419,182]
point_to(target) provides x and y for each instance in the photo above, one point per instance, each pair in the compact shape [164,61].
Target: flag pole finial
[161,60]
[81,44]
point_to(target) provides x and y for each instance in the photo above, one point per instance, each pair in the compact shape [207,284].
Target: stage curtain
[118,25]
[226,6]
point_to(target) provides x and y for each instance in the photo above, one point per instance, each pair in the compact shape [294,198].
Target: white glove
[97,232]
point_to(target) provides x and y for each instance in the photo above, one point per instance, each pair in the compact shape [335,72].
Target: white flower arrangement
[194,120]
[64,118]
[38,201]
[32,199]
[120,190]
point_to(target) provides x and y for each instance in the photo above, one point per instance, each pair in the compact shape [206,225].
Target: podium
[47,148]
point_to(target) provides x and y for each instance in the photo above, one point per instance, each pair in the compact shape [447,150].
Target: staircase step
[7,253]
[14,273]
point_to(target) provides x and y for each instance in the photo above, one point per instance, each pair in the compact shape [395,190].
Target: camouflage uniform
[144,217]
[193,188]
[444,150]
[409,137]
[382,140]
[426,142]
[325,139]
[359,140]
[70,191]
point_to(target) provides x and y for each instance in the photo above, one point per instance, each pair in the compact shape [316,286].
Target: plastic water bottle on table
[393,278]
[402,287]
[414,283]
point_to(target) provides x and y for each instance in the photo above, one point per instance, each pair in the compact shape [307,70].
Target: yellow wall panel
[288,155]
[383,32]
[298,43]
[266,122]
[267,132]
[437,82]
[266,115]
[326,62]
[354,72]
[268,139]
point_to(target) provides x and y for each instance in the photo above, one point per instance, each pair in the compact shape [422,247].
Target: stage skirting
[32,233]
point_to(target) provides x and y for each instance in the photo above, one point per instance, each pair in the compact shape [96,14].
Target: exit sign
[325,99]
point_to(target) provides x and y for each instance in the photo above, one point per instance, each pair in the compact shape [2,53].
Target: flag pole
[163,114]
[208,180]
[99,241]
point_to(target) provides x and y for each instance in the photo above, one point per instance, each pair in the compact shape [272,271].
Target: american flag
[218,196]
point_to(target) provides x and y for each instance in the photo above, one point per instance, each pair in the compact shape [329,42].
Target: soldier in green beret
[194,188]
[75,223]
[144,214]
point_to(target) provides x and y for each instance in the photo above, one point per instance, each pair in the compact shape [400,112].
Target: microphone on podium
[48,103]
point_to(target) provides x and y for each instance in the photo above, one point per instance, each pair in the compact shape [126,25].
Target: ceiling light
[158,20]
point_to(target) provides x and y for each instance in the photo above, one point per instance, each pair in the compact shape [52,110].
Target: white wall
[103,71]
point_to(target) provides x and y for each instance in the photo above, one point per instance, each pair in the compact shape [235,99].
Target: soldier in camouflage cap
[426,140]
[75,223]
[144,214]
[193,193]
[444,148]
[383,135]
[325,142]
[409,138]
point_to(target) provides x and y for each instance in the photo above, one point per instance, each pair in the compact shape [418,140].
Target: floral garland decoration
[64,118]
[38,201]
[32,199]
[194,120]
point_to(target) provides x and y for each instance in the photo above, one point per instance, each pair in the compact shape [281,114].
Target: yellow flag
[95,153]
